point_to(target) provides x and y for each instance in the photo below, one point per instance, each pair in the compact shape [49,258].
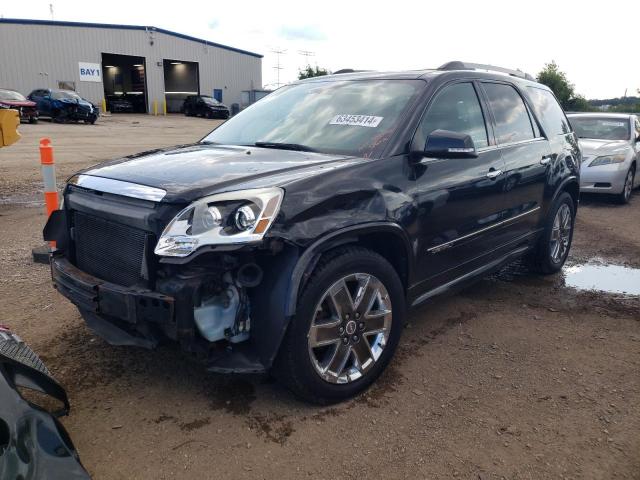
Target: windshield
[11,96]
[601,128]
[209,100]
[60,94]
[345,117]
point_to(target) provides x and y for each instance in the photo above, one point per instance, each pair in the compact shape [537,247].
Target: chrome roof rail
[456,65]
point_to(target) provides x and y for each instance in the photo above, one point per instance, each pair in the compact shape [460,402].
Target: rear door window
[548,111]
[513,123]
[457,109]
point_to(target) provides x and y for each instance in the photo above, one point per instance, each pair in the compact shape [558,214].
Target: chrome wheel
[561,233]
[350,328]
[628,185]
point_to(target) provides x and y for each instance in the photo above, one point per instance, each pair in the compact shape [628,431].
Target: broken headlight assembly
[223,219]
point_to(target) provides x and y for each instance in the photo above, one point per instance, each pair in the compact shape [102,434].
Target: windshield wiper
[284,146]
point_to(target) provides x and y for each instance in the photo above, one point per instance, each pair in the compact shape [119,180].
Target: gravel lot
[516,377]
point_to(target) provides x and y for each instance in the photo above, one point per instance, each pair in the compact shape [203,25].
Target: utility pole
[51,10]
[278,67]
[306,54]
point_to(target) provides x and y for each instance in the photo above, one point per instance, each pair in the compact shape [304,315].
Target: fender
[562,187]
[286,276]
[311,255]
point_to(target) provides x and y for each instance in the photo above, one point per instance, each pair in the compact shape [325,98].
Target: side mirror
[448,144]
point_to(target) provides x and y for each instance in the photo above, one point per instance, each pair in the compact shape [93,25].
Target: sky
[400,35]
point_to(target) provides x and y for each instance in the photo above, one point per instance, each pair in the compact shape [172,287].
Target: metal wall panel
[38,56]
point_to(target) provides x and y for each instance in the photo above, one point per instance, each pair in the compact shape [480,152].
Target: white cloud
[302,32]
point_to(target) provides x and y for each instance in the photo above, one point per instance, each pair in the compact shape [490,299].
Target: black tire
[540,259]
[187,112]
[57,117]
[624,196]
[294,366]
[33,120]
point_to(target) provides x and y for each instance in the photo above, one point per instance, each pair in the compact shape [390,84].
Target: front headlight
[227,218]
[607,160]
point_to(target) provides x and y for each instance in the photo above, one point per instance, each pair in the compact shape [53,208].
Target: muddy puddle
[603,277]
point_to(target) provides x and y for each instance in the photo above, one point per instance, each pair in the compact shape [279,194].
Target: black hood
[191,171]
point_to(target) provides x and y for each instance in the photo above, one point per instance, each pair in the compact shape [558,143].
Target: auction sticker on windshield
[356,120]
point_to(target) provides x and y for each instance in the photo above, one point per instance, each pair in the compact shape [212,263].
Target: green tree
[579,104]
[309,72]
[557,81]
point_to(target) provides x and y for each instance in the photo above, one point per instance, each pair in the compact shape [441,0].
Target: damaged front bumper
[117,314]
[231,328]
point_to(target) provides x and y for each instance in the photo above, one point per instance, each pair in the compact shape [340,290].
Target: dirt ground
[516,377]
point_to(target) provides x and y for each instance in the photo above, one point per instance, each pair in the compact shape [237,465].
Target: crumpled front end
[70,110]
[225,304]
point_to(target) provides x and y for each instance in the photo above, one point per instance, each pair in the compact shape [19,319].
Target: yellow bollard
[155,107]
[164,107]
[104,106]
[9,121]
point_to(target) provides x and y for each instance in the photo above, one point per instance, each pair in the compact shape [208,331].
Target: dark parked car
[119,104]
[204,106]
[63,105]
[17,101]
[295,236]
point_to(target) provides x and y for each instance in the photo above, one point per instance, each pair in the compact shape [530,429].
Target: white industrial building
[102,61]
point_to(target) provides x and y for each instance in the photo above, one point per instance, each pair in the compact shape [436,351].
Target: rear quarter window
[549,113]
[513,123]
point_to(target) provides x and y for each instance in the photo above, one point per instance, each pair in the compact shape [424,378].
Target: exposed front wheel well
[392,248]
[573,189]
[386,244]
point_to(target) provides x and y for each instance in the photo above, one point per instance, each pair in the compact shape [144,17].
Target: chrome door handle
[545,160]
[494,174]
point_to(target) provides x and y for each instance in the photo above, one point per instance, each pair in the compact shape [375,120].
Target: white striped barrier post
[41,254]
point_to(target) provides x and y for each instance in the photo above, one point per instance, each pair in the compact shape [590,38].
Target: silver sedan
[610,146]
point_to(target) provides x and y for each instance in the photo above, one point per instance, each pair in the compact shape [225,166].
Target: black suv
[294,237]
[205,106]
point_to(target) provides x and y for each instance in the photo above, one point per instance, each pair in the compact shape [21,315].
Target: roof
[21,21]
[425,74]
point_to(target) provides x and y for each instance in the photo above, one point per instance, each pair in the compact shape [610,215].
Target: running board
[478,272]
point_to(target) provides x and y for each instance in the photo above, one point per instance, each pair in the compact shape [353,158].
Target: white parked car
[610,144]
